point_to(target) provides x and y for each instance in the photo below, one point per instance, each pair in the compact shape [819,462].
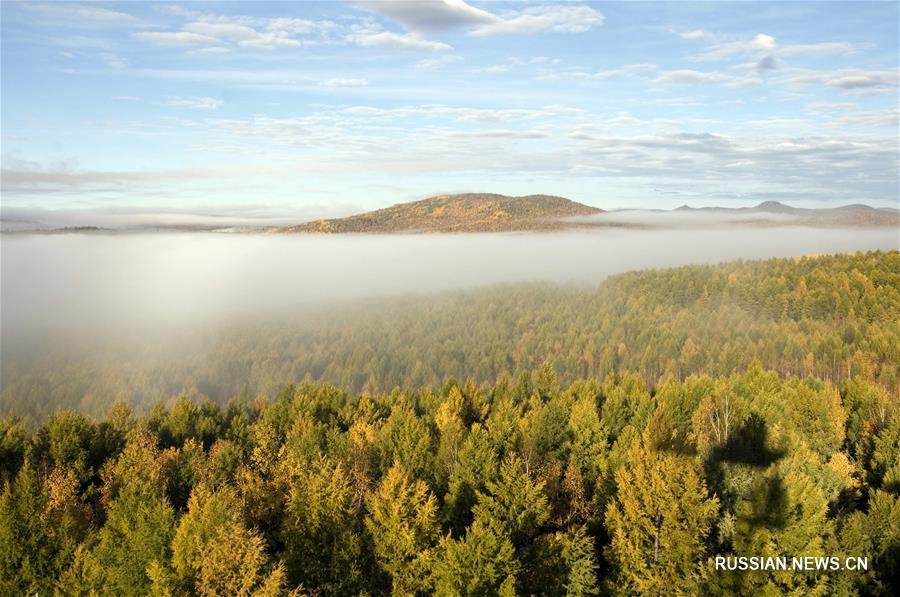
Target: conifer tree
[513,504]
[140,522]
[658,522]
[403,523]
[481,563]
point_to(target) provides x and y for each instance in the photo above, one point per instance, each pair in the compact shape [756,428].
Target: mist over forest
[84,282]
[150,316]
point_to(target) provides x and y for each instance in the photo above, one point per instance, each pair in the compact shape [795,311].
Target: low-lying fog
[685,219]
[66,281]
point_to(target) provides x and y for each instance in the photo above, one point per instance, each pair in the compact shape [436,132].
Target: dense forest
[830,317]
[522,487]
[541,441]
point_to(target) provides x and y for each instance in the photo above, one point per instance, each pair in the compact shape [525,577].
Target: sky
[314,109]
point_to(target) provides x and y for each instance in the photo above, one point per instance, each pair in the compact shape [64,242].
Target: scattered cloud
[768,156]
[245,32]
[270,41]
[113,60]
[344,83]
[439,61]
[692,77]
[81,12]
[765,49]
[442,15]
[223,31]
[695,34]
[494,69]
[850,80]
[209,51]
[717,51]
[198,103]
[791,132]
[887,119]
[407,41]
[539,19]
[820,106]
[175,38]
[628,70]
[438,15]
[819,49]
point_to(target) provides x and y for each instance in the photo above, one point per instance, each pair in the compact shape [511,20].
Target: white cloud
[764,48]
[224,31]
[627,70]
[436,15]
[494,69]
[441,15]
[289,26]
[831,106]
[209,51]
[113,60]
[344,83]
[398,40]
[850,80]
[81,12]
[245,32]
[717,51]
[439,61]
[819,48]
[269,41]
[888,119]
[178,11]
[691,77]
[539,19]
[198,103]
[696,34]
[175,38]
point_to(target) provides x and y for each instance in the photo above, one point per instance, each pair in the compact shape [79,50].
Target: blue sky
[324,108]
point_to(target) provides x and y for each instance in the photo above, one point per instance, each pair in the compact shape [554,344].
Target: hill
[468,212]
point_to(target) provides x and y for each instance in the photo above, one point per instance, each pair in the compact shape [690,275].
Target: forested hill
[833,317]
[469,212]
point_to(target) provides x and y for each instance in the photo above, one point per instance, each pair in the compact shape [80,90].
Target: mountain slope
[468,212]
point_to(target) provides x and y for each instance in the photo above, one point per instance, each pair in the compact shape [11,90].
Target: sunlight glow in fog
[70,280]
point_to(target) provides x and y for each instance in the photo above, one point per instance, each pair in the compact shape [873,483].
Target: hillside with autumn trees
[539,441]
[464,212]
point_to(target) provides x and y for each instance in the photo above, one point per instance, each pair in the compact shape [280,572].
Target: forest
[539,441]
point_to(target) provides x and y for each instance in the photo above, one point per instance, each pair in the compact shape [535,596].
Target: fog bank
[71,281]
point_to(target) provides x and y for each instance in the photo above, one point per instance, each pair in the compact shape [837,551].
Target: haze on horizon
[319,109]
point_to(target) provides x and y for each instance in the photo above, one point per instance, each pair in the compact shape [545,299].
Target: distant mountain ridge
[776,207]
[856,214]
[466,212]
